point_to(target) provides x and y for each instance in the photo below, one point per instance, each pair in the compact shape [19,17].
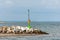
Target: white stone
[8,28]
[13,28]
[31,29]
[23,28]
[18,27]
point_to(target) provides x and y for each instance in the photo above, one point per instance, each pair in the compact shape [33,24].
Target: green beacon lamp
[29,26]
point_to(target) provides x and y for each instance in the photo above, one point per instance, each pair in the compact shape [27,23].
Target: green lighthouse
[29,26]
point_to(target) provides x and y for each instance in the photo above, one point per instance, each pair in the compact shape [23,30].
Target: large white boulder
[8,28]
[29,30]
[13,28]
[18,28]
[23,28]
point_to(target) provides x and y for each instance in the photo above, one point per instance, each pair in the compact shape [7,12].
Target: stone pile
[20,30]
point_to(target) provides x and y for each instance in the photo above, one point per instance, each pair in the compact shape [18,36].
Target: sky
[40,10]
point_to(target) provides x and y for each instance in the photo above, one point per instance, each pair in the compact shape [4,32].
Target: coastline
[14,35]
[6,31]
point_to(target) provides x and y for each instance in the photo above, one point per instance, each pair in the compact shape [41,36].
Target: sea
[53,28]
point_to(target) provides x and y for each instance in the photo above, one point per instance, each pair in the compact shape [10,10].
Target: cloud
[50,3]
[6,3]
[31,3]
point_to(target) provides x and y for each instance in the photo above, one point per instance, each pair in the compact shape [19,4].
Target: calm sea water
[53,28]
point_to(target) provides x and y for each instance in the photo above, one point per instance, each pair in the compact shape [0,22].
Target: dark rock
[39,32]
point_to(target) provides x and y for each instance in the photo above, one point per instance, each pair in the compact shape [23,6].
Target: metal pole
[29,19]
[28,14]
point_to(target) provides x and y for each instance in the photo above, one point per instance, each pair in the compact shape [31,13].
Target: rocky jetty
[19,30]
